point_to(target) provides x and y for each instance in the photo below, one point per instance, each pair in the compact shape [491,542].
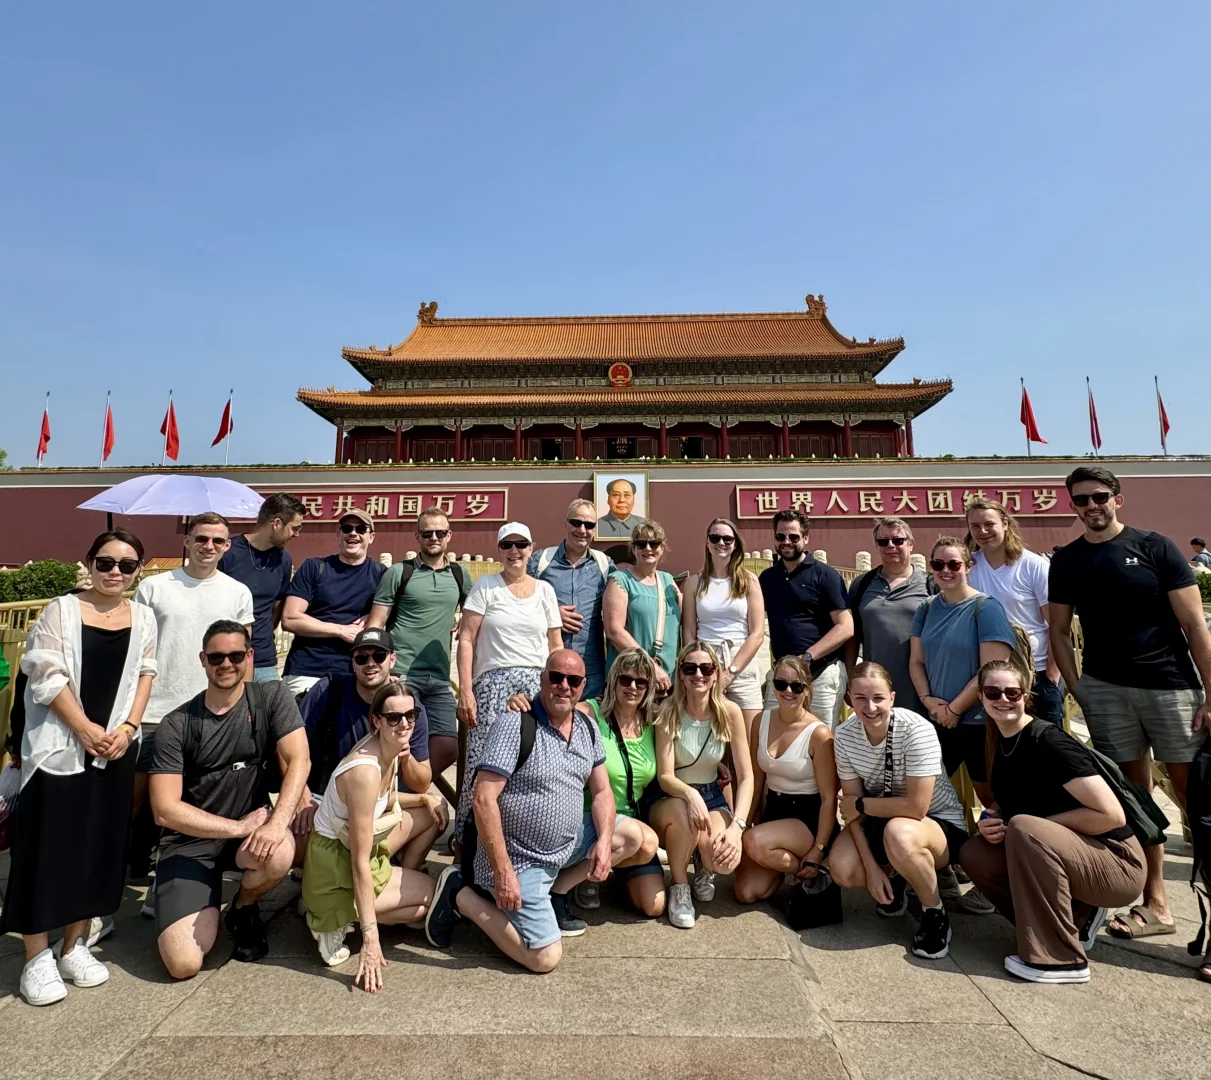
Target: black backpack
[1198,814]
[460,576]
[261,774]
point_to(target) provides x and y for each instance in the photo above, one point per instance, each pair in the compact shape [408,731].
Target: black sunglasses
[1098,498]
[558,678]
[349,527]
[431,534]
[377,655]
[1010,693]
[648,544]
[788,538]
[105,563]
[214,659]
[633,680]
[719,538]
[576,523]
[506,545]
[883,541]
[953,565]
[688,668]
[794,686]
[394,719]
[208,541]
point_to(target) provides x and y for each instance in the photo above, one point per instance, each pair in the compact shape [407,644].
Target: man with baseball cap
[336,714]
[327,604]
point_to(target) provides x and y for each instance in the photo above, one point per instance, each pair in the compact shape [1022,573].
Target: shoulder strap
[529,732]
[602,561]
[616,731]
[259,711]
[545,558]
[319,573]
[661,613]
[464,586]
[864,583]
[405,575]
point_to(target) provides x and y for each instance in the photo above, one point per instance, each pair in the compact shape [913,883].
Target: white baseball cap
[514,528]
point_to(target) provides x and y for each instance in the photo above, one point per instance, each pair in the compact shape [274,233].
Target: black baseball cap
[374,635]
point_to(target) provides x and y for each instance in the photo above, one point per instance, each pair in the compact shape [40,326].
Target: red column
[786,437]
[517,440]
[662,441]
[723,447]
[405,452]
[847,442]
[578,443]
[339,457]
[458,441]
[399,442]
[908,437]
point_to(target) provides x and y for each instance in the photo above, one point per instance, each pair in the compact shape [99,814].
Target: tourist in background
[1146,646]
[1004,568]
[90,660]
[903,820]
[418,602]
[1054,849]
[724,607]
[641,608]
[348,873]
[795,781]
[1200,556]
[327,604]
[883,602]
[260,560]
[579,574]
[696,727]
[510,625]
[808,613]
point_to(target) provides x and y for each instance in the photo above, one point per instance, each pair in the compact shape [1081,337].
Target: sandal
[1147,926]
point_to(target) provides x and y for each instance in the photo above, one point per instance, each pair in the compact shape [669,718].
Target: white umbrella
[177,496]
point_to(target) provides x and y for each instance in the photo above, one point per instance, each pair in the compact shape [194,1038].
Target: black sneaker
[899,899]
[1089,932]
[932,939]
[442,916]
[569,924]
[248,932]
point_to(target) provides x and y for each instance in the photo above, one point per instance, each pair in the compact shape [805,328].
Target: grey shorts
[1125,721]
[438,699]
[147,747]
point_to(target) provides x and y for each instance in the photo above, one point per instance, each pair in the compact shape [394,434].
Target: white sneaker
[1015,965]
[98,929]
[681,907]
[82,968]
[333,949]
[704,881]
[41,983]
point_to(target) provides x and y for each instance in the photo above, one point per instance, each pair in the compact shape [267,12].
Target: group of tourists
[617,724]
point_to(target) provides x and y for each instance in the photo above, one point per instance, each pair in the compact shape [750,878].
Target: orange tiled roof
[917,396]
[608,338]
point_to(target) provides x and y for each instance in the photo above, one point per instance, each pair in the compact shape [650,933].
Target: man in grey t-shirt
[883,602]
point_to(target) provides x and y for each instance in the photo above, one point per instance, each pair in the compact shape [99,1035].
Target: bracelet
[368,926]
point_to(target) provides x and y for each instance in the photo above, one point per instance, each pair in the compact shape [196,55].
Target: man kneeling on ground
[216,760]
[527,812]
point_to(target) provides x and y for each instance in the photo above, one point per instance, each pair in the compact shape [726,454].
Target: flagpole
[231,426]
[101,463]
[1029,452]
[45,413]
[1159,422]
[167,429]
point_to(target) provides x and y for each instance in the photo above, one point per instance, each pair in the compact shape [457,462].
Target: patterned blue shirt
[581,586]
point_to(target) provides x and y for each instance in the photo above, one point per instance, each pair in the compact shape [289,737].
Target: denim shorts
[588,837]
[268,673]
[712,795]
[535,919]
[438,699]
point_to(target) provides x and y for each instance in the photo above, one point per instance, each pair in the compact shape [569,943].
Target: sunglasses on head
[1009,693]
[1098,498]
[394,719]
[214,659]
[377,655]
[507,545]
[576,523]
[105,563]
[558,678]
[359,527]
[795,687]
[689,668]
[431,534]
[953,565]
[788,538]
[633,680]
[719,538]
[647,544]
[883,541]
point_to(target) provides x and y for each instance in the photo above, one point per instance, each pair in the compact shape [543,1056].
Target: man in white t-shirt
[1004,568]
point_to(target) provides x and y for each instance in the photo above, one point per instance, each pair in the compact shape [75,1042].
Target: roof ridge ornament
[427,314]
[816,306]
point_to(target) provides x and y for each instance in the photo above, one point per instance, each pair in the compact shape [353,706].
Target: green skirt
[328,882]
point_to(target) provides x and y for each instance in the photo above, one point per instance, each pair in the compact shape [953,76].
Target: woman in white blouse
[510,625]
[90,659]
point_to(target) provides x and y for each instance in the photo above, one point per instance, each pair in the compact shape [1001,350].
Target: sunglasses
[719,538]
[653,545]
[788,538]
[883,541]
[433,534]
[394,719]
[377,655]
[105,563]
[1009,693]
[558,678]
[782,685]
[210,541]
[953,565]
[1098,498]
[688,668]
[214,659]
[508,545]
[360,528]
[576,523]
[632,680]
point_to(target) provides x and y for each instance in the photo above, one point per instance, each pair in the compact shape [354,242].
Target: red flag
[1095,432]
[107,440]
[172,437]
[1027,418]
[1162,416]
[44,437]
[226,425]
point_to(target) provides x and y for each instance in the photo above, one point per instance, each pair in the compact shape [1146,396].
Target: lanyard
[887,761]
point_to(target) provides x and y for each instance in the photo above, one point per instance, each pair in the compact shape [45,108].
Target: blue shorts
[588,837]
[438,700]
[712,795]
[535,919]
[268,673]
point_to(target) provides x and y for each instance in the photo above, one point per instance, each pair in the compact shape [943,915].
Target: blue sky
[212,196]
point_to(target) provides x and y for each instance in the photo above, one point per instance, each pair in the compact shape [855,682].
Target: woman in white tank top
[724,607]
[795,780]
[348,872]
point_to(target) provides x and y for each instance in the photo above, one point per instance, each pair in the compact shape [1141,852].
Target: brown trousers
[1046,880]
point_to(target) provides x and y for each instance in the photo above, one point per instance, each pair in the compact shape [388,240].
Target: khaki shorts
[1124,721]
[745,689]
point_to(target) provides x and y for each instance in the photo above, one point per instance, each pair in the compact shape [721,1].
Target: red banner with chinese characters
[474,504]
[912,500]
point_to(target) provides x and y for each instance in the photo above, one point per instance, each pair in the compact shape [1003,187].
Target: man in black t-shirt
[1145,636]
[216,760]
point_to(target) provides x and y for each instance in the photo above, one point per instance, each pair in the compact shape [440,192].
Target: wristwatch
[741,822]
[807,655]
[860,804]
[732,669]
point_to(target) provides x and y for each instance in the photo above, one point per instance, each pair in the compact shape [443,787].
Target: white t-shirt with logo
[184,607]
[513,632]
[1021,586]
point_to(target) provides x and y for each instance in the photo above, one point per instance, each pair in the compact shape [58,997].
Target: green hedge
[1204,586]
[42,580]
